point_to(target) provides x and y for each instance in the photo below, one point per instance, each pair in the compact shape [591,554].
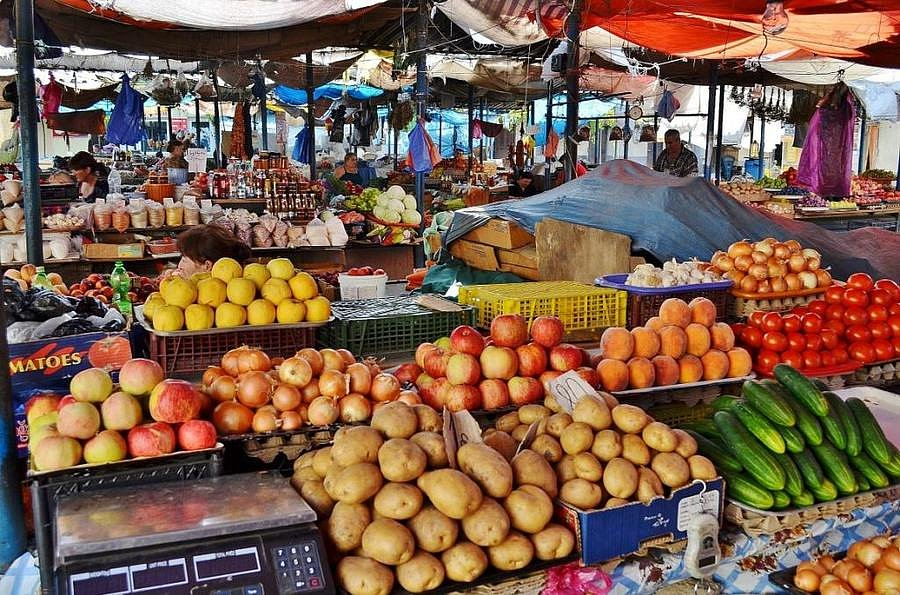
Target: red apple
[91,386]
[139,376]
[436,363]
[150,440]
[547,331]
[589,375]
[499,362]
[175,401]
[494,393]
[523,391]
[422,350]
[66,400]
[565,357]
[435,394]
[408,373]
[121,411]
[463,368]
[465,339]
[463,397]
[585,357]
[532,359]
[196,434]
[509,330]
[39,405]
[423,381]
[546,377]
[106,447]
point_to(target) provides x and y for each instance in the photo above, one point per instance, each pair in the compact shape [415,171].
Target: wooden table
[886,218]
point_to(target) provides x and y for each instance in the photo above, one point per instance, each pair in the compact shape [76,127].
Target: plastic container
[362,287]
[644,302]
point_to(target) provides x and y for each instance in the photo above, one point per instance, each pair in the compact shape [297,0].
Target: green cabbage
[410,201]
[411,217]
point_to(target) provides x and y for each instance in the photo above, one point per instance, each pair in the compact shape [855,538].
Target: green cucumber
[875,444]
[705,427]
[824,493]
[724,402]
[853,443]
[759,426]
[745,490]
[793,439]
[833,428]
[717,453]
[861,481]
[836,467]
[892,467]
[804,499]
[807,423]
[757,460]
[801,387]
[793,480]
[769,401]
[870,470]
[781,500]
[809,467]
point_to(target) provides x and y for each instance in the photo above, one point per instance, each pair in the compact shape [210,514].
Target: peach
[613,374]
[646,342]
[641,373]
[654,323]
[672,341]
[715,365]
[690,369]
[667,370]
[698,339]
[703,311]
[675,311]
[739,362]
[722,337]
[617,343]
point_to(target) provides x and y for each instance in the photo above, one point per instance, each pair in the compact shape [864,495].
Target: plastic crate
[388,325]
[581,307]
[644,303]
[47,488]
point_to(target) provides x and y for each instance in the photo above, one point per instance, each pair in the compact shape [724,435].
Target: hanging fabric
[423,153]
[301,152]
[827,159]
[85,122]
[552,144]
[51,96]
[126,121]
[668,105]
[488,129]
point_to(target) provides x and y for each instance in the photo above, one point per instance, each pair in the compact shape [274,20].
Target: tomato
[894,309]
[884,350]
[756,318]
[896,343]
[752,337]
[812,323]
[827,358]
[840,356]
[772,322]
[737,328]
[860,281]
[855,297]
[811,359]
[800,310]
[881,297]
[775,341]
[858,332]
[835,312]
[766,360]
[814,342]
[830,339]
[796,341]
[877,313]
[862,352]
[880,330]
[793,359]
[894,323]
[818,306]
[834,294]
[791,323]
[855,315]
[837,326]
[890,286]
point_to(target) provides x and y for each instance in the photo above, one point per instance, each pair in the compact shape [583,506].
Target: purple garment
[827,159]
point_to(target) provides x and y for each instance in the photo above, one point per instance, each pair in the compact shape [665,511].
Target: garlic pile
[672,274]
[744,191]
[62,221]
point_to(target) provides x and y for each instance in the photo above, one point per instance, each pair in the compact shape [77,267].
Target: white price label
[196,158]
[459,428]
[569,388]
[690,507]
[529,437]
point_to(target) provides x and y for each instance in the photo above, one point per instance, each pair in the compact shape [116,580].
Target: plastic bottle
[121,284]
[114,179]
[41,280]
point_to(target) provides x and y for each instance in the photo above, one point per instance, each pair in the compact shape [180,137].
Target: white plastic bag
[337,235]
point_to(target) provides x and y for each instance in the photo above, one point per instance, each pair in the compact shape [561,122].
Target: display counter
[887,218]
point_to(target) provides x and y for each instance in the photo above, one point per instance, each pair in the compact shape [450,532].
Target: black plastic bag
[113,326]
[48,304]
[14,298]
[90,306]
[76,326]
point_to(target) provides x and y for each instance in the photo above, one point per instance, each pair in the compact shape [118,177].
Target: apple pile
[100,423]
[365,272]
[97,285]
[510,367]
[253,393]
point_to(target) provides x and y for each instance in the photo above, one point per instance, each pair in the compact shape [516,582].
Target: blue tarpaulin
[292,96]
[682,218]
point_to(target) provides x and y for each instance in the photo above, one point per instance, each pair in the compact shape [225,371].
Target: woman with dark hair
[202,245]
[349,171]
[90,175]
[176,151]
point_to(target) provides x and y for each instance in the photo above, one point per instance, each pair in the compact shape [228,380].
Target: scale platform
[248,534]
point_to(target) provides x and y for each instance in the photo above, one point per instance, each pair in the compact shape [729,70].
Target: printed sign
[196,158]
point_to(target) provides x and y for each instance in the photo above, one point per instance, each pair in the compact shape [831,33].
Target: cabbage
[383,200]
[396,192]
[370,193]
[379,212]
[326,215]
[410,201]
[396,204]
[411,217]
[391,217]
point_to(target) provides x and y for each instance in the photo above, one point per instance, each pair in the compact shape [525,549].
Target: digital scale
[248,534]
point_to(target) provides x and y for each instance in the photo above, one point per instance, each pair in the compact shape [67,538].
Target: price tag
[529,437]
[196,158]
[569,388]
[691,506]
[206,203]
[459,428]
[168,202]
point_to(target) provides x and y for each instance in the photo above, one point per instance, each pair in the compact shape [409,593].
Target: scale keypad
[297,567]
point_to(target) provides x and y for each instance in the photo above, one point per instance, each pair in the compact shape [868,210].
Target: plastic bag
[90,306]
[20,332]
[668,105]
[337,235]
[49,326]
[47,304]
[423,154]
[84,210]
[126,120]
[75,326]
[13,297]
[205,88]
[51,96]
[317,233]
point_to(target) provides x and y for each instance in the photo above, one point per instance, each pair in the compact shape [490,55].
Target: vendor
[90,175]
[524,186]
[176,159]
[203,245]
[349,170]
[676,159]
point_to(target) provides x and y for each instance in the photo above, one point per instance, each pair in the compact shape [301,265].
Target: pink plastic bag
[575,579]
[51,96]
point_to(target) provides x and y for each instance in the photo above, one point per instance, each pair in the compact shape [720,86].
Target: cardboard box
[500,234]
[111,251]
[609,533]
[525,257]
[524,272]
[476,255]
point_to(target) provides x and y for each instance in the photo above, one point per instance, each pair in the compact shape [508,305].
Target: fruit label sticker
[691,506]
[459,428]
[568,389]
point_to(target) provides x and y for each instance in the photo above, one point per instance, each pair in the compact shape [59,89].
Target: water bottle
[121,284]
[115,181]
[41,280]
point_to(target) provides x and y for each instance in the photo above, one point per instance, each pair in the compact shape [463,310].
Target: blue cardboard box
[609,533]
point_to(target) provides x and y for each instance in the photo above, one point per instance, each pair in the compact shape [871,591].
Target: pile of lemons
[230,296]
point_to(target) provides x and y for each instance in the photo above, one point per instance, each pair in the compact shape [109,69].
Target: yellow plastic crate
[581,307]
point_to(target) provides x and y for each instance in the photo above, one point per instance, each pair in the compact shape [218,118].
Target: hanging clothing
[365,120]
[51,96]
[827,159]
[552,145]
[126,123]
[85,122]
[482,128]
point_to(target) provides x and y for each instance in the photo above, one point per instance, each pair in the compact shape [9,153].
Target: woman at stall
[90,175]
[349,170]
[524,186]
[176,158]
[203,245]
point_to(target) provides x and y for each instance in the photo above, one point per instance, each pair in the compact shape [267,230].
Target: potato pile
[605,454]
[393,510]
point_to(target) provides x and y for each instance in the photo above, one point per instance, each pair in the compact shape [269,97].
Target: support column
[573,28]
[481,140]
[440,131]
[28,120]
[762,146]
[655,144]
[217,122]
[264,128]
[197,119]
[421,96]
[721,118]
[310,115]
[169,121]
[471,117]
[548,175]
[710,119]
[396,137]
[861,165]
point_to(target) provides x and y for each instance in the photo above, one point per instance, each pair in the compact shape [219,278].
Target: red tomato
[890,286]
[834,294]
[862,352]
[894,323]
[855,315]
[775,341]
[752,337]
[860,281]
[812,323]
[881,297]
[796,341]
[840,356]
[756,318]
[791,323]
[811,359]
[830,338]
[827,359]
[766,360]
[884,350]
[896,343]
[772,322]
[894,309]
[814,342]
[880,330]
[818,306]
[837,326]
[793,359]
[858,332]
[737,328]
[800,310]
[877,313]
[855,297]
[835,312]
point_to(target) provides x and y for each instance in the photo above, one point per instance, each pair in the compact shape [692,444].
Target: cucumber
[757,460]
[724,402]
[801,387]
[819,384]
[853,445]
[892,467]
[875,444]
[759,426]
[793,480]
[824,493]
[867,467]
[833,428]
[782,500]
[705,427]
[717,453]
[861,481]
[835,467]
[745,490]
[807,423]
[769,402]
[809,467]
[804,499]
[793,439]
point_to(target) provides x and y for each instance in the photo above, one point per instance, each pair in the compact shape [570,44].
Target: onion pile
[871,565]
[770,266]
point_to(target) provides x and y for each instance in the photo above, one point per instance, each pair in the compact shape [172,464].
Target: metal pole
[440,131]
[217,117]
[573,28]
[862,141]
[169,120]
[396,137]
[548,175]
[481,140]
[471,117]
[310,115]
[656,131]
[28,120]
[762,146]
[719,133]
[710,121]
[197,119]
[264,117]
[144,126]
[421,96]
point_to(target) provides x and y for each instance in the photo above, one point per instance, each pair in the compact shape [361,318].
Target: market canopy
[293,96]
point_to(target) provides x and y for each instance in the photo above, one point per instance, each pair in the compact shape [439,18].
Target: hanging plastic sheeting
[293,96]
[668,105]
[423,153]
[125,123]
[51,96]
[827,158]
[302,146]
